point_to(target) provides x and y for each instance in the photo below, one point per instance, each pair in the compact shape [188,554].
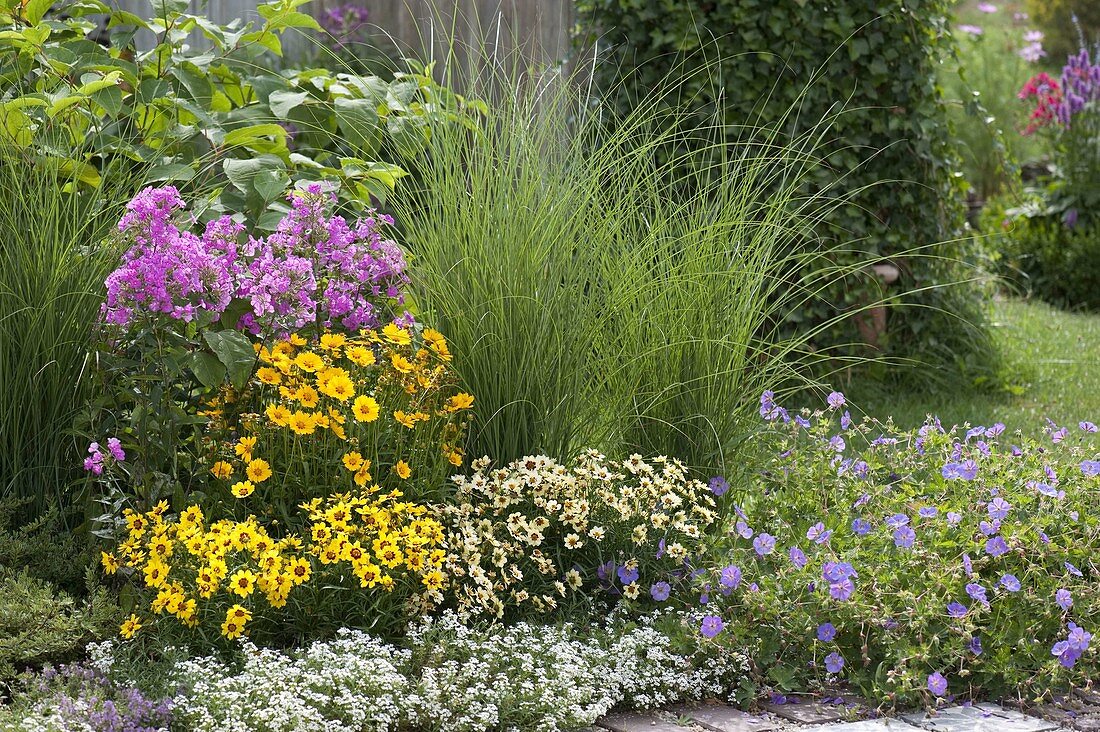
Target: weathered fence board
[539,27]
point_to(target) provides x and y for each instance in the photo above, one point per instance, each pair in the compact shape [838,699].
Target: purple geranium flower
[627,575]
[937,684]
[798,557]
[977,592]
[818,533]
[834,662]
[1010,583]
[904,537]
[956,610]
[719,485]
[841,590]
[711,626]
[966,470]
[954,518]
[860,527]
[1087,426]
[975,646]
[826,632]
[835,400]
[998,508]
[996,546]
[1064,599]
[897,520]
[968,565]
[929,512]
[731,577]
[764,544]
[744,530]
[660,591]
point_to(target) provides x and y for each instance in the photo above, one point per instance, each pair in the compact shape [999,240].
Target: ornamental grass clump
[594,302]
[921,564]
[536,534]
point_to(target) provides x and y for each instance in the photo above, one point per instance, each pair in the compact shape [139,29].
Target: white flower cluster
[355,682]
[506,528]
[451,678]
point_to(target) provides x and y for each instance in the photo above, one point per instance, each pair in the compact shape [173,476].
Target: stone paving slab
[807,711]
[638,722]
[979,718]
[869,725]
[722,718]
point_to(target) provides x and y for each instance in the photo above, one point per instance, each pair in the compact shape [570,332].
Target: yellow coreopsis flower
[299,570]
[221,469]
[235,619]
[302,423]
[110,562]
[243,488]
[258,470]
[360,356]
[307,396]
[309,362]
[270,376]
[397,335]
[402,469]
[244,447]
[297,340]
[130,627]
[407,420]
[340,388]
[156,574]
[365,409]
[353,461]
[332,341]
[401,363]
[242,583]
[460,401]
[278,414]
[433,580]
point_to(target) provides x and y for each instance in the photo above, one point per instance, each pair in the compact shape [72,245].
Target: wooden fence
[540,28]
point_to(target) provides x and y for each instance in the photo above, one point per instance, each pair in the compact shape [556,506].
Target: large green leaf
[234,350]
[281,102]
[208,369]
[359,124]
[241,173]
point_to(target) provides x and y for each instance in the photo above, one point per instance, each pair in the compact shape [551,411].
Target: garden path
[1079,711]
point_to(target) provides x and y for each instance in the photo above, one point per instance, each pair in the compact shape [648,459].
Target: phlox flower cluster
[166,270]
[98,458]
[536,531]
[960,534]
[313,270]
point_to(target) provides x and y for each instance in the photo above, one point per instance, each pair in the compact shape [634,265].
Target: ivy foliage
[868,67]
[217,115]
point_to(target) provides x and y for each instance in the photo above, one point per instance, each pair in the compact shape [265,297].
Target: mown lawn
[1052,356]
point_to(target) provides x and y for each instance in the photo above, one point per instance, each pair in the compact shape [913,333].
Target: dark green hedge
[875,58]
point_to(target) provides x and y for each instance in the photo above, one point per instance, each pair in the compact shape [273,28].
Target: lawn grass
[1053,355]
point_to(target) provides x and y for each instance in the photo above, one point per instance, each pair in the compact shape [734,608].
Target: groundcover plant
[929,564]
